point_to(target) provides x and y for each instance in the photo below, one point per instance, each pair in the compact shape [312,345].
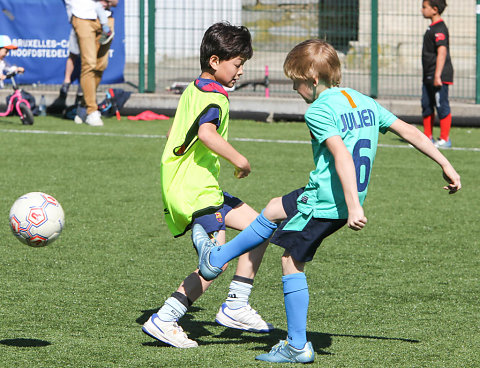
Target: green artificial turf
[403,292]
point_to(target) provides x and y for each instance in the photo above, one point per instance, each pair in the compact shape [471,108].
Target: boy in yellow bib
[190,189]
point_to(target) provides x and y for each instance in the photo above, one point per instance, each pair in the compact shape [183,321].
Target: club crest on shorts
[219,217]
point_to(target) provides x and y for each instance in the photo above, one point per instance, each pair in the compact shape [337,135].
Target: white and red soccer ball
[36,219]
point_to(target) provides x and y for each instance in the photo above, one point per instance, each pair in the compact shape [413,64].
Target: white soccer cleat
[244,318]
[168,332]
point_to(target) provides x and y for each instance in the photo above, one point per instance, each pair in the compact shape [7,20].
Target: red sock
[445,125]
[428,125]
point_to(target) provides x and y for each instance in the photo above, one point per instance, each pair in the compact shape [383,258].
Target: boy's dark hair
[227,42]
[439,4]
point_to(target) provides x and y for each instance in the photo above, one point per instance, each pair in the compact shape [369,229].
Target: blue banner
[41,30]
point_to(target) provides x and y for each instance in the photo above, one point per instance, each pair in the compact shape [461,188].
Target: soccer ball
[36,219]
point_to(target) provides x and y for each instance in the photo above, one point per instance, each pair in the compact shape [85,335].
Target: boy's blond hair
[314,59]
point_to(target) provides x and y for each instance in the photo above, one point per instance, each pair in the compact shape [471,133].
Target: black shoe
[106,37]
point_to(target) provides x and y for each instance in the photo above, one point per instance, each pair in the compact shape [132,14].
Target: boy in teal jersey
[344,126]
[190,189]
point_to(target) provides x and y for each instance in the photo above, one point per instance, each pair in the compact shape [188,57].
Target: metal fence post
[151,45]
[374,51]
[319,20]
[141,48]
[477,79]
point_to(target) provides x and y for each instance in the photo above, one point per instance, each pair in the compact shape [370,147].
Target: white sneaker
[94,119]
[244,318]
[78,120]
[442,143]
[168,332]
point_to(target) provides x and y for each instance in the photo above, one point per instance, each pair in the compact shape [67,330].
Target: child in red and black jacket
[437,73]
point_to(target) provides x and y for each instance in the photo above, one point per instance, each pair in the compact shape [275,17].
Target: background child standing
[437,73]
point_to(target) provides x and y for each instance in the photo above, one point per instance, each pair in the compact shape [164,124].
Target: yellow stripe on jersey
[349,98]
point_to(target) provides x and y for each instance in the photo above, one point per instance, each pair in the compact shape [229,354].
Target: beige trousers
[93,56]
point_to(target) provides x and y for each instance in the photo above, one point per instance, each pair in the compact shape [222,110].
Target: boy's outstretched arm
[346,172]
[207,133]
[421,142]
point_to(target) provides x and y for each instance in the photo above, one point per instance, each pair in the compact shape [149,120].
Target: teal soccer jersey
[357,119]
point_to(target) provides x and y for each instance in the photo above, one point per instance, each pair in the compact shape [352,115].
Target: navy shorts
[303,244]
[435,97]
[216,221]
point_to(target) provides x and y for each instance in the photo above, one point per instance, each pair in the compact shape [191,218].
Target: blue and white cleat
[283,352]
[204,245]
[442,143]
[245,318]
[168,332]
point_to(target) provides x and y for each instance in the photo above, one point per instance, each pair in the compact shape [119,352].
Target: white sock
[238,294]
[172,310]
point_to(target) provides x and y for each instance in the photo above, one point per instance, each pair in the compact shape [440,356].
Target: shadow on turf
[197,329]
[10,123]
[25,343]
[412,341]
[147,313]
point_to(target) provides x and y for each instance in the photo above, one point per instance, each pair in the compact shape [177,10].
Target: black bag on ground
[106,107]
[71,111]
[119,98]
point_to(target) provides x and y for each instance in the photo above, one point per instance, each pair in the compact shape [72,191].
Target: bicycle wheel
[27,115]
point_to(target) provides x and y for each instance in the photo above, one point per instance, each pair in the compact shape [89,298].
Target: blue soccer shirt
[357,119]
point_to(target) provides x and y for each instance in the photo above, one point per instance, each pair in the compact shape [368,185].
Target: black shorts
[216,221]
[303,244]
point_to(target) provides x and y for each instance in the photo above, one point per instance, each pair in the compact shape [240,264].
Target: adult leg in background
[86,31]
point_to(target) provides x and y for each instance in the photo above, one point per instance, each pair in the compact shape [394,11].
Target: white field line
[157,136]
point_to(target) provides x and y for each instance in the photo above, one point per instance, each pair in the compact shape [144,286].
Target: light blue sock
[172,310]
[295,294]
[255,234]
[106,28]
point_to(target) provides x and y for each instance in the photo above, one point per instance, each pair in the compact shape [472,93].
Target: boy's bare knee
[274,210]
[290,265]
